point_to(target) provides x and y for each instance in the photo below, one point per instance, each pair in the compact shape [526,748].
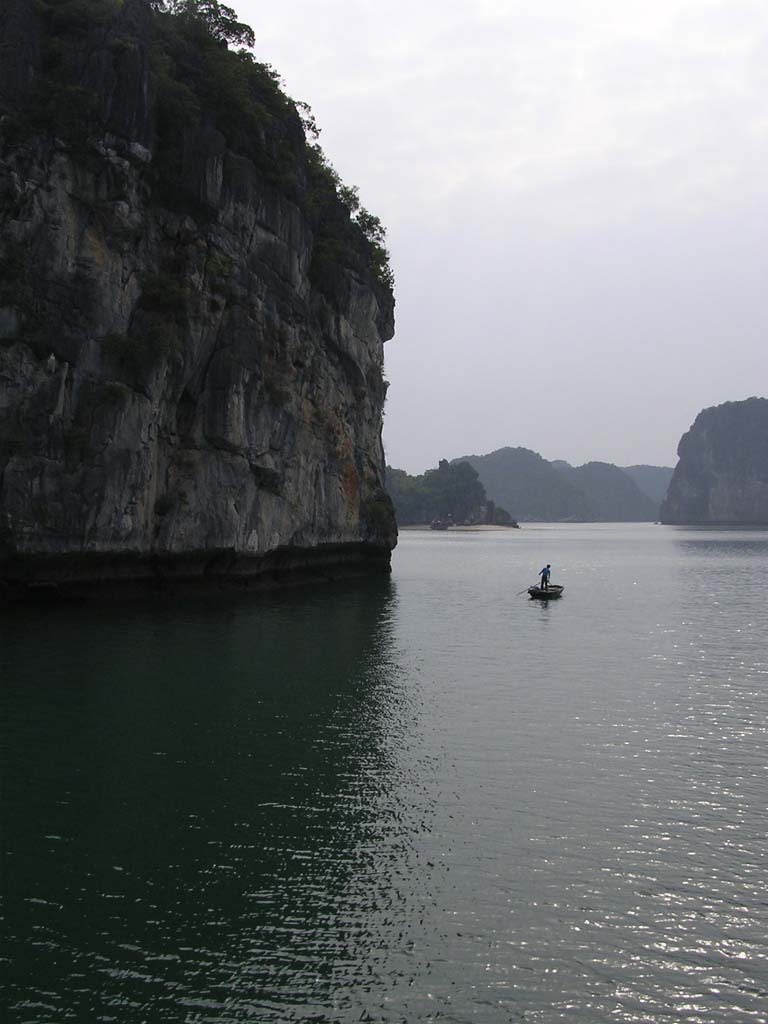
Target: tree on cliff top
[218,19]
[222,24]
[205,72]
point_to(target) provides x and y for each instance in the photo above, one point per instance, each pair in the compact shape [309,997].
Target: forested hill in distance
[652,480]
[612,493]
[534,489]
[521,480]
[450,494]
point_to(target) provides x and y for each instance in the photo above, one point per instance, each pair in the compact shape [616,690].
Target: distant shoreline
[477,528]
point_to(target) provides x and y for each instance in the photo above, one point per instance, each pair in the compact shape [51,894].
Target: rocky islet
[722,473]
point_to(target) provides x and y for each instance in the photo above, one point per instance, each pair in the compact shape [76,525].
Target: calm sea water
[418,799]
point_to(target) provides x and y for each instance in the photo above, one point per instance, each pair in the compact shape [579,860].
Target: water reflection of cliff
[209,803]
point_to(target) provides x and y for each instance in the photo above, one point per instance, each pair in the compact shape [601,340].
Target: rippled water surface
[424,798]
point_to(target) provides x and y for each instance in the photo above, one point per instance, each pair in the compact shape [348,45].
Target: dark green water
[415,799]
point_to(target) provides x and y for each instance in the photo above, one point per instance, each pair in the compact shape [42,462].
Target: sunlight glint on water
[411,800]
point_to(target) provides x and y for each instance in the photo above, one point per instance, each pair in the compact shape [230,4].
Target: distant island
[450,495]
[512,485]
[653,481]
[722,475]
[534,489]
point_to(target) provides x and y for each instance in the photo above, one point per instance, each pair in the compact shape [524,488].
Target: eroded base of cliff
[72,578]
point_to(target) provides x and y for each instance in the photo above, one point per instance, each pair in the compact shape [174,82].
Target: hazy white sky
[576,197]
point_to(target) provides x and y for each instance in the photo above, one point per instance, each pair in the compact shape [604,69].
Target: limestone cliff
[722,475]
[191,322]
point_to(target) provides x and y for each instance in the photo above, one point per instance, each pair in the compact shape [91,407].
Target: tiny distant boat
[439,524]
[552,591]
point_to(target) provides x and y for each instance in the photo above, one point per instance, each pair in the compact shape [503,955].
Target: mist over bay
[575,197]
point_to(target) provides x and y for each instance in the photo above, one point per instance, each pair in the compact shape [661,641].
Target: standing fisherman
[544,573]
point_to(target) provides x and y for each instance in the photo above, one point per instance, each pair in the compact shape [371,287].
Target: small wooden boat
[552,591]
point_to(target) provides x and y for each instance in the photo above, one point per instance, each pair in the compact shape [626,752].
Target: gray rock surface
[722,475]
[178,394]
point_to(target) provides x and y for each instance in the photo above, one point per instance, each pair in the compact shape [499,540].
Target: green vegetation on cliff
[193,307]
[207,91]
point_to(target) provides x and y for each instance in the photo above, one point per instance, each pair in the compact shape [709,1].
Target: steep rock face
[188,385]
[722,475]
